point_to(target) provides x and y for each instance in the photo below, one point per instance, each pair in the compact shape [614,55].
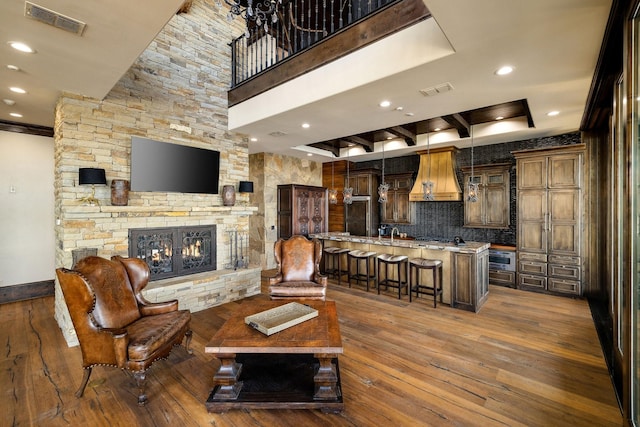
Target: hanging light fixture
[472,192]
[333,193]
[347,193]
[260,11]
[427,186]
[383,188]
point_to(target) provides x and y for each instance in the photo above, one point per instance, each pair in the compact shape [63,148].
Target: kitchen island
[465,267]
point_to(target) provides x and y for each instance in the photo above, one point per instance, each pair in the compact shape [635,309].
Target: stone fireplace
[175,251]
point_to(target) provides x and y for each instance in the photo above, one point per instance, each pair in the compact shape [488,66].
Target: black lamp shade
[92,176]
[245,187]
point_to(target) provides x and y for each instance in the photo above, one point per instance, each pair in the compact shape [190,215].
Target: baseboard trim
[26,291]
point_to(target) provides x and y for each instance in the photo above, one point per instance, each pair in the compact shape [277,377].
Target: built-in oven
[502,260]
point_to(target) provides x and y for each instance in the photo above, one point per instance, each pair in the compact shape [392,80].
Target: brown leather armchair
[114,323]
[298,274]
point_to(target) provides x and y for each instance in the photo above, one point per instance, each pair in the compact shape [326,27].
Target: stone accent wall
[175,92]
[268,171]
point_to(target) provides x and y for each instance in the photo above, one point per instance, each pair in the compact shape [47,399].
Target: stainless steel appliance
[361,216]
[502,260]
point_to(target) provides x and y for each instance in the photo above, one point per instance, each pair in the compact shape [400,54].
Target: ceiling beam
[331,146]
[457,121]
[355,139]
[402,132]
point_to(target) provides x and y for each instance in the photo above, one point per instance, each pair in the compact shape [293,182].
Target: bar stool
[332,254]
[358,256]
[401,262]
[418,264]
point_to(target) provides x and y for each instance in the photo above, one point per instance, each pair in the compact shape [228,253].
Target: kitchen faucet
[392,230]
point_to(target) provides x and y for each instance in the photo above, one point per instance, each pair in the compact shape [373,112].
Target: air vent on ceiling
[54,19]
[435,90]
[277,134]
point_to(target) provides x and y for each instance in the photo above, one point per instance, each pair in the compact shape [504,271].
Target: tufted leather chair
[298,274]
[114,323]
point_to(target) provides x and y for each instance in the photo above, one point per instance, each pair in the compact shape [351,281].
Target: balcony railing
[300,25]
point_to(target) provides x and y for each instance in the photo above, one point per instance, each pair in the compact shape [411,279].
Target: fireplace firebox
[175,251]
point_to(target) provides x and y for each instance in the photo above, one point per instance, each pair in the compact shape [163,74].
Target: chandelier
[383,189]
[472,194]
[427,186]
[260,11]
[333,193]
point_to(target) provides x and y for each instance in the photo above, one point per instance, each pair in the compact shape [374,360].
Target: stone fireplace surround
[107,228]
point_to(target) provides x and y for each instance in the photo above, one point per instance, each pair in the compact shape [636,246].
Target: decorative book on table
[279,318]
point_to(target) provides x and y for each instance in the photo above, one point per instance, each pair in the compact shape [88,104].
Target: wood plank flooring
[525,359]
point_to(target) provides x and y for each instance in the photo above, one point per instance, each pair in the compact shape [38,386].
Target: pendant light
[472,192]
[347,193]
[383,189]
[427,186]
[333,193]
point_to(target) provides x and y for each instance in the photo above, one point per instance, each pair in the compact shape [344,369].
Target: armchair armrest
[321,279]
[275,279]
[150,309]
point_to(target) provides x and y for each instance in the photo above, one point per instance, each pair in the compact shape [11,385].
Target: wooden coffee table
[296,368]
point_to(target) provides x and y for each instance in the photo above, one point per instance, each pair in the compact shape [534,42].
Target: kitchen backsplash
[444,220]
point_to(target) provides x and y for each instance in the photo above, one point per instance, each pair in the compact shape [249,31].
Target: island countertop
[467,247]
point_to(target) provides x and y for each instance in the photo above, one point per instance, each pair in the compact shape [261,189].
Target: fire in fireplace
[175,251]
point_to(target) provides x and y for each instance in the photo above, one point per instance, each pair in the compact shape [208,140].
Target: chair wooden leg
[140,377]
[189,335]
[85,380]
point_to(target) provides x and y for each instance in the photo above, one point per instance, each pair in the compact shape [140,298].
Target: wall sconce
[91,176]
[245,187]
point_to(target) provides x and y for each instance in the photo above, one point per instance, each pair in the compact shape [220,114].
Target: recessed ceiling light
[385,103]
[503,71]
[436,130]
[13,67]
[22,47]
[399,108]
[553,113]
[253,139]
[15,115]
[408,114]
[9,101]
[306,125]
[389,137]
[309,154]
[17,89]
[499,118]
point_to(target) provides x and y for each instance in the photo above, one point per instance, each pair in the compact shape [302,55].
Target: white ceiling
[553,45]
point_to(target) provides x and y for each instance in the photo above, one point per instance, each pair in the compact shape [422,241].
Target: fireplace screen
[175,251]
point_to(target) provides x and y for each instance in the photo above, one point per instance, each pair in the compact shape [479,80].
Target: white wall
[27,244]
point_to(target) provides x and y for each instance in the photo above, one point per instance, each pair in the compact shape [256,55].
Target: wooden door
[564,222]
[532,173]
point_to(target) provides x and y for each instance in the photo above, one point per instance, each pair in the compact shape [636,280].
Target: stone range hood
[442,173]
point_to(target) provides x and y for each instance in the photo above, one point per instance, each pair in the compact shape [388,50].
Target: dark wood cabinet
[492,209]
[397,209]
[364,182]
[550,243]
[302,209]
[470,280]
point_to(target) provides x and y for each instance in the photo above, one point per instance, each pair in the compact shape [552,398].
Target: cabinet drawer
[502,277]
[532,267]
[531,256]
[532,282]
[564,260]
[564,286]
[564,271]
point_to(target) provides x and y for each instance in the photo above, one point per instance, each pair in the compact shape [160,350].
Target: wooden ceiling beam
[355,139]
[457,121]
[331,146]
[402,132]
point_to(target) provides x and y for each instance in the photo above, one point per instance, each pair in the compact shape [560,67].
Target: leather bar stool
[333,262]
[358,257]
[401,262]
[416,265]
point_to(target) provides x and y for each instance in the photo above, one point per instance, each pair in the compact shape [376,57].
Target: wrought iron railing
[300,25]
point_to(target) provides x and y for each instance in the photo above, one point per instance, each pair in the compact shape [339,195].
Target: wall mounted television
[165,167]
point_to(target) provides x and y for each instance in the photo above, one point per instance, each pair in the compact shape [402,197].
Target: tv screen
[161,166]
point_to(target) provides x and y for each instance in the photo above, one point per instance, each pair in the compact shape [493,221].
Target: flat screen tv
[165,167]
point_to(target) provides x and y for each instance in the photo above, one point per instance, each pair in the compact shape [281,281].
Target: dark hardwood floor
[525,359]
